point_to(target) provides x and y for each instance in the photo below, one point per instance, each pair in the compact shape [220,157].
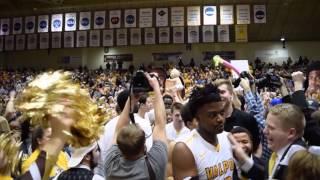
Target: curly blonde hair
[50,93]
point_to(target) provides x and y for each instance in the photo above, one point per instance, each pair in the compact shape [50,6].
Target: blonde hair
[131,140]
[290,116]
[235,100]
[304,165]
[50,94]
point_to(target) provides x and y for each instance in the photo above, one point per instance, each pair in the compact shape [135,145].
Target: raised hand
[238,152]
[153,81]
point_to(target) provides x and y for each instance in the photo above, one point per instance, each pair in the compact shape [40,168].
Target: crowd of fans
[181,125]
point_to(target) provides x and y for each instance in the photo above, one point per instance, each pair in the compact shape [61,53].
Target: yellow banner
[241,33]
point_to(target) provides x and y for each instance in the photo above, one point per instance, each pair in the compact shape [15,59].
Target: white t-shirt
[146,127]
[150,116]
[105,141]
[172,134]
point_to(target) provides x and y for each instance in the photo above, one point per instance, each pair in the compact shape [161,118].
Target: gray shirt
[116,167]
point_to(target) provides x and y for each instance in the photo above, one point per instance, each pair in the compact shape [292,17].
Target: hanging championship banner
[209,15]
[122,39]
[5,26]
[161,17]
[20,42]
[82,38]
[68,41]
[32,41]
[115,18]
[56,40]
[193,34]
[17,25]
[178,34]
[207,34]
[193,16]
[44,40]
[43,23]
[241,33]
[243,14]
[177,16]
[56,23]
[135,36]
[226,14]
[99,20]
[145,17]
[9,42]
[164,35]
[149,36]
[29,25]
[84,20]
[108,37]
[94,38]
[130,18]
[223,33]
[70,22]
[1,43]
[259,12]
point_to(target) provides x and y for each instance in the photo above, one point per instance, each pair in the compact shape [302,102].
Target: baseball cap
[79,153]
[276,101]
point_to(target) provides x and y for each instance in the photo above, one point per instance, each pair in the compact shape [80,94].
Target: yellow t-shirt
[61,164]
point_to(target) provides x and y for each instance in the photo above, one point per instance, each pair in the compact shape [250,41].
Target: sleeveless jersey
[212,162]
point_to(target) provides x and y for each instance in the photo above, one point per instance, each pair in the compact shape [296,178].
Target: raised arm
[159,132]
[124,118]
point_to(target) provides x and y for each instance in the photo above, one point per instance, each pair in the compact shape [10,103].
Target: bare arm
[10,110]
[169,164]
[183,162]
[159,132]
[123,120]
[283,89]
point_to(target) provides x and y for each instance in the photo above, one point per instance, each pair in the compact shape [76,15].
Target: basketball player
[205,152]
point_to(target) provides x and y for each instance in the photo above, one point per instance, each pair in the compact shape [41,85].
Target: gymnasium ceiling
[297,20]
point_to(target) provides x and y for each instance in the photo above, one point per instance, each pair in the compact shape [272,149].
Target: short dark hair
[240,129]
[176,106]
[167,104]
[203,95]
[186,114]
[37,133]
[143,99]
[122,99]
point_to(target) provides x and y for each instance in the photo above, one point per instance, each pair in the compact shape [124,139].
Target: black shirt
[245,120]
[76,174]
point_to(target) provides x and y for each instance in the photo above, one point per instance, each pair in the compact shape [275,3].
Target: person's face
[45,138]
[211,117]
[169,115]
[176,116]
[244,140]
[225,94]
[149,104]
[314,80]
[167,103]
[277,135]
